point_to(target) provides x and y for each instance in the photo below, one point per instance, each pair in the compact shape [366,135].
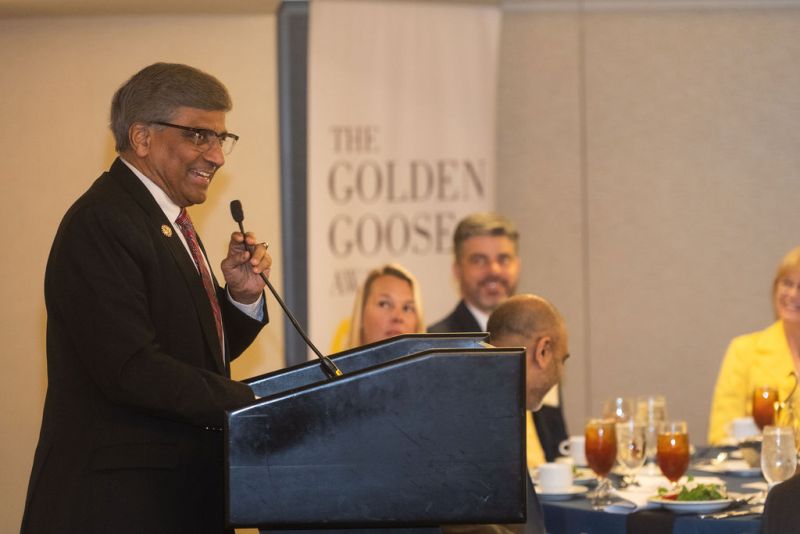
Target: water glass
[651,410]
[618,408]
[631,447]
[778,454]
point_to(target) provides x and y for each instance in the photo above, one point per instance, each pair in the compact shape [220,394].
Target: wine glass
[631,447]
[618,408]
[651,410]
[778,454]
[764,398]
[672,450]
[601,453]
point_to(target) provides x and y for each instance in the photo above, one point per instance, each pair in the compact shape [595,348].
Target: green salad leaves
[698,492]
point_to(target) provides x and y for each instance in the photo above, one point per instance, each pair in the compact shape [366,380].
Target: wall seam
[584,188]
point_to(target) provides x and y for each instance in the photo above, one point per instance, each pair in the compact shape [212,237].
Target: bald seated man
[532,322]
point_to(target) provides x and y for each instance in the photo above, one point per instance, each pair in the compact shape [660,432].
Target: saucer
[560,495]
[583,476]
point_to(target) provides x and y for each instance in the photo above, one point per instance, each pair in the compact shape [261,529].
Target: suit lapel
[465,320]
[199,296]
[134,187]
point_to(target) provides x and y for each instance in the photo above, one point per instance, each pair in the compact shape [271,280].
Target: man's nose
[495,266]
[214,153]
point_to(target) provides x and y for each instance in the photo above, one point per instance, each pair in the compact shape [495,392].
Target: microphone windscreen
[236,211]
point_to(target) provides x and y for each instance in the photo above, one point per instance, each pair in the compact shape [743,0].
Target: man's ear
[543,351]
[456,270]
[139,136]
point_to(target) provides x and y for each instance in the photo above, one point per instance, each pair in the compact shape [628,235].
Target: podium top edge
[477,336]
[433,352]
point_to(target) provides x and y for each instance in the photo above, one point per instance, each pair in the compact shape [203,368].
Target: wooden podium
[422,430]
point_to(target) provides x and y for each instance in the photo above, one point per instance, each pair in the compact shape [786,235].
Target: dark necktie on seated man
[187,229]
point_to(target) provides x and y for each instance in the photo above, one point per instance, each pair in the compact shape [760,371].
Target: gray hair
[157,91]
[478,224]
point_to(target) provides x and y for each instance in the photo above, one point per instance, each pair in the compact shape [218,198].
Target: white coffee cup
[744,427]
[555,477]
[574,447]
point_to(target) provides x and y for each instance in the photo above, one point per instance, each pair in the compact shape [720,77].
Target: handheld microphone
[327,364]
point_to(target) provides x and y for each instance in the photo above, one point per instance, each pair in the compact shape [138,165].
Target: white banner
[401,144]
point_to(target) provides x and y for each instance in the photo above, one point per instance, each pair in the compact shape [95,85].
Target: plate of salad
[693,498]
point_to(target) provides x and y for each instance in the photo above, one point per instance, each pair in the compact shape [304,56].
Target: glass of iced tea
[764,399]
[672,450]
[601,453]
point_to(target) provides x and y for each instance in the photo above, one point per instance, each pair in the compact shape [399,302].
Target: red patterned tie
[187,229]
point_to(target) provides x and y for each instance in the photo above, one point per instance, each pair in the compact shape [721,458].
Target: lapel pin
[166,230]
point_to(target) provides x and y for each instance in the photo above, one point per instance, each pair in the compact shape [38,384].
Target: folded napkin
[630,500]
[758,486]
[737,465]
[635,498]
[727,466]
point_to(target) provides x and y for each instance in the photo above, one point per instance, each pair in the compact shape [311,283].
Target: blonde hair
[354,338]
[789,263]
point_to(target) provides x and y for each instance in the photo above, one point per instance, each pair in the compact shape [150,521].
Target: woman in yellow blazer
[763,358]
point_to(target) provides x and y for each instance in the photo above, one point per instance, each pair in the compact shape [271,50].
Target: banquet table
[577,517]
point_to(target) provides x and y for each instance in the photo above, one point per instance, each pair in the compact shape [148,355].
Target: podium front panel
[428,439]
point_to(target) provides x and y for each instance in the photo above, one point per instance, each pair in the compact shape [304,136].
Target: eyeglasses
[201,137]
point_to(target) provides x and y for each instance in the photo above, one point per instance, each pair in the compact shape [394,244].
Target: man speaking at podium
[139,334]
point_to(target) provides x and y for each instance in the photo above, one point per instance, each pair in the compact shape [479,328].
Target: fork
[753,510]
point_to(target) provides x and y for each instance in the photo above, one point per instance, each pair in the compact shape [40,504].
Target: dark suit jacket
[781,511]
[549,420]
[460,320]
[137,390]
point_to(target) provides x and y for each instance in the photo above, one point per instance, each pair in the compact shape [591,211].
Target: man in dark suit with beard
[139,334]
[486,265]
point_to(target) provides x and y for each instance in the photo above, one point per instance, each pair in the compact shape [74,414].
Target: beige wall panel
[539,172]
[58,79]
[692,163]
[650,157]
